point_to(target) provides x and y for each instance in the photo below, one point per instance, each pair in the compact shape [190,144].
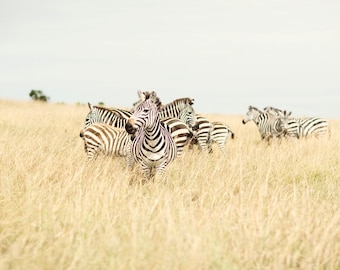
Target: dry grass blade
[257,207]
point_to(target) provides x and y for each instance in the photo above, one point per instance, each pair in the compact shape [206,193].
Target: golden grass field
[258,207]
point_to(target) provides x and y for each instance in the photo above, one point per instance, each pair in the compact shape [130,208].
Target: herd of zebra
[150,133]
[153,135]
[277,123]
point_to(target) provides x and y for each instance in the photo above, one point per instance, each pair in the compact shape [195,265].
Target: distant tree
[38,95]
[101,103]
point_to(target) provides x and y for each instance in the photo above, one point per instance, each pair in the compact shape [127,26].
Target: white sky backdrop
[225,54]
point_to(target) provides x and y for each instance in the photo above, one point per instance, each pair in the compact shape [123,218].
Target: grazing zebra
[206,133]
[219,134]
[153,146]
[201,132]
[180,108]
[119,117]
[269,125]
[303,127]
[100,137]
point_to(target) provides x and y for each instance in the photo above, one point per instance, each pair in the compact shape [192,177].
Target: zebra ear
[191,101]
[153,97]
[141,95]
[90,105]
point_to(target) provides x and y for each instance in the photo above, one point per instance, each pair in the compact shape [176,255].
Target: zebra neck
[258,118]
[154,127]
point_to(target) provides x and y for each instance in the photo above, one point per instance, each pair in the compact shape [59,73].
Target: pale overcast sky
[225,54]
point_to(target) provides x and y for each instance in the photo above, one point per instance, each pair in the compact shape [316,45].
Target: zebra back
[180,132]
[206,133]
[313,126]
[201,132]
[101,137]
[219,134]
[112,116]
[302,127]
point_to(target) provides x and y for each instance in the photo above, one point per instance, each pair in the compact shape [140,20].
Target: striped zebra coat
[207,133]
[119,117]
[112,116]
[303,127]
[269,126]
[180,108]
[153,146]
[101,137]
[112,141]
[218,134]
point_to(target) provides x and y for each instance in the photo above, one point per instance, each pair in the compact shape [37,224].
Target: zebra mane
[148,95]
[254,108]
[112,110]
[185,101]
[270,108]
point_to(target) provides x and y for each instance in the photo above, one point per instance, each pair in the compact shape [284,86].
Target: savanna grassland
[257,207]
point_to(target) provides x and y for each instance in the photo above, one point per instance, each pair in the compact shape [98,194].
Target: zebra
[119,117]
[269,125]
[180,132]
[101,137]
[111,116]
[303,127]
[180,108]
[206,133]
[219,133]
[201,132]
[153,146]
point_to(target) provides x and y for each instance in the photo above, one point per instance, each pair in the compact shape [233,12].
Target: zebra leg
[128,156]
[202,141]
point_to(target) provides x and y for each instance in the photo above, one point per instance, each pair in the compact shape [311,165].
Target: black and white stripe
[180,132]
[303,127]
[201,133]
[207,133]
[112,116]
[269,125]
[100,137]
[180,108]
[153,146]
[119,117]
[218,134]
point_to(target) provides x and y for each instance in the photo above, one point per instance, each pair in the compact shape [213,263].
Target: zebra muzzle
[129,128]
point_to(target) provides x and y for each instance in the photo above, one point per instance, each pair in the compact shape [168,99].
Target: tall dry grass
[257,207]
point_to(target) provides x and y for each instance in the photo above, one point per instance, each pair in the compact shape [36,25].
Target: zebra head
[92,116]
[252,114]
[187,113]
[145,114]
[180,108]
[273,111]
[284,120]
[146,95]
